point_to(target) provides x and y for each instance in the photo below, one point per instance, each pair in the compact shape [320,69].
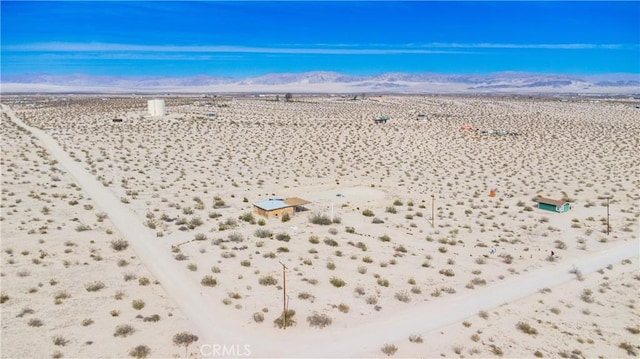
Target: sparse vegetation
[389,349]
[526,328]
[209,281]
[94,286]
[319,320]
[140,352]
[123,330]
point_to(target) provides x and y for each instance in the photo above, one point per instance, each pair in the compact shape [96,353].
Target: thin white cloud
[576,46]
[111,47]
[328,49]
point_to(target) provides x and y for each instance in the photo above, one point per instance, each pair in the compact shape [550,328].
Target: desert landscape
[129,235]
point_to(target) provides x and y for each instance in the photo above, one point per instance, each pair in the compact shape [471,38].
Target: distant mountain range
[330,82]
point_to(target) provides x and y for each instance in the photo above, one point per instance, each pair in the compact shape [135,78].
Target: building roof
[271,204]
[554,202]
[296,201]
[279,203]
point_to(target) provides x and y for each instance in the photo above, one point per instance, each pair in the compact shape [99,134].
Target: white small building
[156,107]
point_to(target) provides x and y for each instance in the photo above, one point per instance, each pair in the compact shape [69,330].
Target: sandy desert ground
[170,199]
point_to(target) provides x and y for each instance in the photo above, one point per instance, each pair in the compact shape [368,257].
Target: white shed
[156,107]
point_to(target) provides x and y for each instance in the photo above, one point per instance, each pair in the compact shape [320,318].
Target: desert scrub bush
[633,330]
[415,338]
[34,322]
[403,296]
[119,245]
[319,320]
[389,349]
[267,280]
[82,228]
[60,340]
[367,213]
[262,233]
[526,328]
[371,300]
[442,249]
[391,209]
[384,238]
[496,350]
[184,339]
[483,314]
[350,229]
[330,242]
[24,312]
[629,348]
[447,272]
[377,220]
[383,282]
[306,295]
[140,352]
[137,304]
[337,282]
[152,318]
[587,295]
[258,317]
[321,219]
[245,263]
[123,330]
[331,266]
[143,281]
[192,267]
[285,317]
[87,322]
[235,237]
[343,308]
[577,272]
[283,236]
[209,281]
[200,237]
[247,217]
[94,286]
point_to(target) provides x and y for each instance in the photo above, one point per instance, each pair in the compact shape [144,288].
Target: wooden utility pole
[433,211]
[608,198]
[284,296]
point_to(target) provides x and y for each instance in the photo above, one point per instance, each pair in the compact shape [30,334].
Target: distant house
[278,207]
[553,205]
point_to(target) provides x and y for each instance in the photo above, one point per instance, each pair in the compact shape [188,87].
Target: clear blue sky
[241,39]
